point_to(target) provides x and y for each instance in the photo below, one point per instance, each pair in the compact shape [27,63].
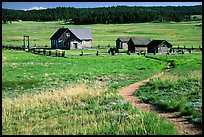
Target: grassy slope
[87,103]
[180,89]
[179,34]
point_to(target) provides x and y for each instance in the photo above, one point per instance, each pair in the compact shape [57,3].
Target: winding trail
[181,124]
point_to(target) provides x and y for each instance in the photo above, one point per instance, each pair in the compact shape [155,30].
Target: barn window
[83,42]
[68,34]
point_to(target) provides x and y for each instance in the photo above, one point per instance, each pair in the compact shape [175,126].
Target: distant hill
[115,14]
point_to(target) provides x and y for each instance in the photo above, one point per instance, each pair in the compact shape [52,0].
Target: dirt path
[181,124]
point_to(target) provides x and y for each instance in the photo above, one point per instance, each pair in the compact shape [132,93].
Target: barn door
[75,45]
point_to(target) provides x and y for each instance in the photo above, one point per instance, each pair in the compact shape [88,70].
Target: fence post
[189,50]
[97,53]
[44,51]
[200,48]
[63,53]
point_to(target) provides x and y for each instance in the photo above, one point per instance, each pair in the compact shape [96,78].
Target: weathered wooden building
[121,42]
[71,38]
[159,46]
[138,44]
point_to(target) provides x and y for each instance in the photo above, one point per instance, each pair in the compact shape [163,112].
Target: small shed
[159,46]
[121,42]
[138,44]
[71,38]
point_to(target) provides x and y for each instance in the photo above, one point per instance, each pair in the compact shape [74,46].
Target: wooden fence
[180,49]
[61,53]
[49,52]
[13,47]
[41,51]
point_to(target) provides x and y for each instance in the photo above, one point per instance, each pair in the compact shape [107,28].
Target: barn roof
[123,39]
[140,41]
[58,33]
[80,33]
[157,42]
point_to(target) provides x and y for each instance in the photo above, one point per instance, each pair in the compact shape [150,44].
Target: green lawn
[179,34]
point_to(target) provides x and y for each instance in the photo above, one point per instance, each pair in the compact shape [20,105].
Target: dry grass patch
[172,78]
[71,94]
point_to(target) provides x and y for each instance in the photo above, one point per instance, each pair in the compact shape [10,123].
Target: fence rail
[182,49]
[61,53]
[49,52]
[13,47]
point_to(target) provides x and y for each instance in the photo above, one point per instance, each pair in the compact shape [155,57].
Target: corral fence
[48,52]
[184,49]
[41,51]
[113,51]
[10,47]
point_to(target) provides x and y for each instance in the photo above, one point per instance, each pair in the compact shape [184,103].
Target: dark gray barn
[159,46]
[138,44]
[121,42]
[73,38]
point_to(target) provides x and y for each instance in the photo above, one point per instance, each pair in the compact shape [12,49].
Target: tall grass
[78,109]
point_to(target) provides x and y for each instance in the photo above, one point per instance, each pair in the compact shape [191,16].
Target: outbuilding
[71,38]
[159,46]
[121,42]
[138,44]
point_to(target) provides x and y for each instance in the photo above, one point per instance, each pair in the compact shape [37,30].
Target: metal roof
[80,33]
[140,41]
[123,39]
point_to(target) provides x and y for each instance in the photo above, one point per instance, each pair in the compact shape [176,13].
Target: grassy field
[179,89]
[179,34]
[75,95]
[79,94]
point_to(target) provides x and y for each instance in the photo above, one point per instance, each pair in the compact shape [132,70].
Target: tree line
[105,15]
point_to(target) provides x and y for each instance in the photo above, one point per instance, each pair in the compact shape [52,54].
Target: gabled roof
[123,39]
[58,33]
[80,33]
[140,41]
[158,42]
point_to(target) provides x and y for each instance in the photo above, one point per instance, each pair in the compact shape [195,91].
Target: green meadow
[180,34]
[75,95]
[79,94]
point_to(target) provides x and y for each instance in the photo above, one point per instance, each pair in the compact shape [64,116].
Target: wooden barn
[121,42]
[159,46]
[71,38]
[138,44]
